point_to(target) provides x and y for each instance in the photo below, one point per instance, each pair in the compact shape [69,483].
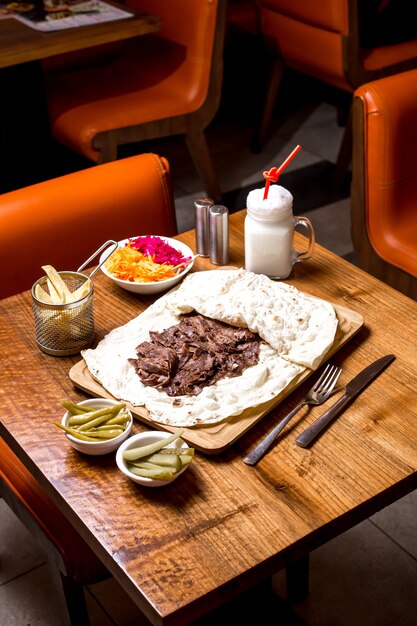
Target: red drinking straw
[272,175]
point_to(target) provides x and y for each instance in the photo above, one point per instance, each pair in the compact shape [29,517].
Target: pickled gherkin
[91,424]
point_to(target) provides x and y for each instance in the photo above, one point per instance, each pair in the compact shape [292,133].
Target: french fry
[81,292]
[42,295]
[56,297]
[60,293]
[58,290]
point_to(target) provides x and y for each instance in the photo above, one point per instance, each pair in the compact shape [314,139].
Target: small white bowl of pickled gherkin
[154,458]
[96,426]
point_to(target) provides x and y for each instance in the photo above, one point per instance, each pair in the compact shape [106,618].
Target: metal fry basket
[66,329]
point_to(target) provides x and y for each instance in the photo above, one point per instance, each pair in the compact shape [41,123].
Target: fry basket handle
[112,243]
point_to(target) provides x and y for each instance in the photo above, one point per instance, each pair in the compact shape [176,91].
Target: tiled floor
[365,577]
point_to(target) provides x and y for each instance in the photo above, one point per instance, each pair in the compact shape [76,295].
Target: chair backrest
[308,35]
[192,24]
[323,39]
[61,222]
[328,15]
[243,14]
[384,179]
[159,85]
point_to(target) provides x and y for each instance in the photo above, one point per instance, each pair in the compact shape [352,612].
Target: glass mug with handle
[269,233]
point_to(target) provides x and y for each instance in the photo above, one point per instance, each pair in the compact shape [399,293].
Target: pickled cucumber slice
[132,454]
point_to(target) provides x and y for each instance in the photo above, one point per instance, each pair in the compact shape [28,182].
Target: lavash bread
[298,329]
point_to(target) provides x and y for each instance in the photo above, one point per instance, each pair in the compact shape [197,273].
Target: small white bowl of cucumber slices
[154,458]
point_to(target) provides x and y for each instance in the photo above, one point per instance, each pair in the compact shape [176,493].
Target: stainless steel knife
[353,388]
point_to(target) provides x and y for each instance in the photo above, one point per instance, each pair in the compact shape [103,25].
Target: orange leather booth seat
[62,222]
[390,149]
[80,562]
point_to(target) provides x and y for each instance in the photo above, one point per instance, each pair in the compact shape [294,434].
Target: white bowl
[145,439]
[153,287]
[98,447]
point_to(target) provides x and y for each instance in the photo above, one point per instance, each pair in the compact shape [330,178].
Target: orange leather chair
[154,86]
[62,222]
[243,14]
[322,40]
[72,564]
[384,180]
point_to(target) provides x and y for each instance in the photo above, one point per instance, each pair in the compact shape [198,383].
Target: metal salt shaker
[219,234]
[202,233]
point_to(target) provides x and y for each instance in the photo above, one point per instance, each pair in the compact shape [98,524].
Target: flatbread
[298,329]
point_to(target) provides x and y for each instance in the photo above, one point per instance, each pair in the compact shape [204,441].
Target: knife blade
[353,389]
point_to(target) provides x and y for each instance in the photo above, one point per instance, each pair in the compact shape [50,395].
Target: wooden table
[22,44]
[223,527]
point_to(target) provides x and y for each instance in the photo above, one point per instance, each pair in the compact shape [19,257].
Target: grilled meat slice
[197,352]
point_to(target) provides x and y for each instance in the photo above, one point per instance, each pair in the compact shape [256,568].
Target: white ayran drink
[269,232]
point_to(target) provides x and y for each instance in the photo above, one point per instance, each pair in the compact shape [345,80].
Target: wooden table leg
[24,126]
[297,577]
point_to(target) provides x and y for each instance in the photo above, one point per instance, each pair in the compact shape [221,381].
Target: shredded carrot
[129,264]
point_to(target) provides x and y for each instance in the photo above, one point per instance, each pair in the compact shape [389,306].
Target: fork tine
[336,377]
[331,380]
[318,394]
[322,377]
[326,380]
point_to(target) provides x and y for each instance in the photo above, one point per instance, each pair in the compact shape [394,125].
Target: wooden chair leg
[70,596]
[197,145]
[343,106]
[261,133]
[344,157]
[297,576]
[107,145]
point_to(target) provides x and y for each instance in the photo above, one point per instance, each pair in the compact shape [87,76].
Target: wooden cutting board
[215,438]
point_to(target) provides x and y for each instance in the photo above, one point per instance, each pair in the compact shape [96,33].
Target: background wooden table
[21,44]
[222,527]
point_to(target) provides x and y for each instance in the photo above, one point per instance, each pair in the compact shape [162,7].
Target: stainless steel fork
[318,394]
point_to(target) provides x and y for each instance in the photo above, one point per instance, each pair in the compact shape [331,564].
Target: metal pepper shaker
[202,233]
[219,234]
